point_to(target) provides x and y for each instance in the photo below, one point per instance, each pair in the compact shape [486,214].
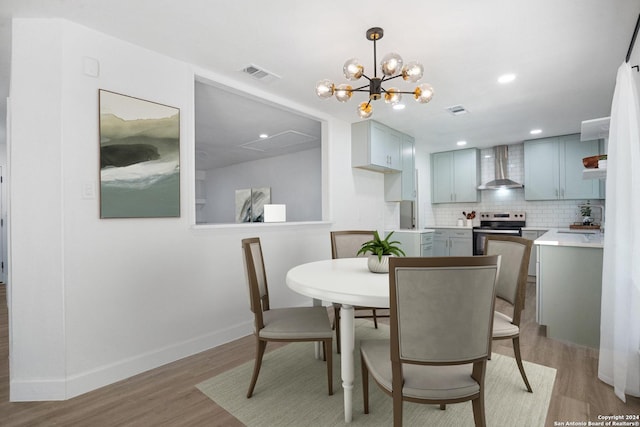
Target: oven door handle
[485,231]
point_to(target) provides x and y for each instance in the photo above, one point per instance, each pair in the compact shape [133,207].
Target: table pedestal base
[347,340]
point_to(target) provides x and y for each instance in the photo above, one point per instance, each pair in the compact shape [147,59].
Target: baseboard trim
[75,385]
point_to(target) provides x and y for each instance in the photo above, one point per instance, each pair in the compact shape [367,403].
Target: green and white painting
[139,158]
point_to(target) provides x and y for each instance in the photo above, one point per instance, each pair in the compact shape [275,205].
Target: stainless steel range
[510,223]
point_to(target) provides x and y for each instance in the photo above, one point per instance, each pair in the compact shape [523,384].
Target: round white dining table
[349,282]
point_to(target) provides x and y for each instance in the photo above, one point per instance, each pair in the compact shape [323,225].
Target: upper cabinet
[402,185]
[553,169]
[375,147]
[455,176]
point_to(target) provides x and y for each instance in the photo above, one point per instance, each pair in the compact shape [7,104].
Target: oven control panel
[502,216]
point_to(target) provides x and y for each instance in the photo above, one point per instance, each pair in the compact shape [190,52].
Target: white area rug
[292,391]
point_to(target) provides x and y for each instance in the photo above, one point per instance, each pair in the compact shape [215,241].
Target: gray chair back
[514,266]
[256,278]
[442,308]
[346,244]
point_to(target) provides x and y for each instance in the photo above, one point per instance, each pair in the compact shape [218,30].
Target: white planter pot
[378,266]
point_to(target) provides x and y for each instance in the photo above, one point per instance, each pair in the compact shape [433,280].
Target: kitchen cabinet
[414,242]
[553,169]
[375,147]
[533,235]
[452,242]
[455,176]
[401,186]
[569,286]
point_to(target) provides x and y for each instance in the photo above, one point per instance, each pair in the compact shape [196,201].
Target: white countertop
[461,227]
[536,228]
[568,237]
[417,230]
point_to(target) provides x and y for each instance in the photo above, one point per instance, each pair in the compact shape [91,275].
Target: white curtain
[619,362]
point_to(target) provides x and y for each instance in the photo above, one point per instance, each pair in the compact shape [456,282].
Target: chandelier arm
[359,89]
[387,78]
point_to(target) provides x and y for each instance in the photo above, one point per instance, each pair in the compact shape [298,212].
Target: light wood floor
[167,396]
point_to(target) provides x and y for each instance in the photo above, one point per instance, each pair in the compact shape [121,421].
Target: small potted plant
[381,250]
[585,211]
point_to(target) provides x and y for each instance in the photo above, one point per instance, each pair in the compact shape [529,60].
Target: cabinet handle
[556,192]
[562,193]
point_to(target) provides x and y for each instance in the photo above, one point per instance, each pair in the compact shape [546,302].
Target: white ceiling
[565,54]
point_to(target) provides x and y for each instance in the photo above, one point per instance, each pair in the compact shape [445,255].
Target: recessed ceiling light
[506,78]
[399,106]
[461,143]
[535,131]
[264,135]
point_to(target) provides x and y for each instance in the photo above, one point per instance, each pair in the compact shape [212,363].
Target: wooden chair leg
[375,318]
[516,351]
[443,406]
[337,317]
[397,408]
[328,356]
[260,348]
[365,385]
[478,410]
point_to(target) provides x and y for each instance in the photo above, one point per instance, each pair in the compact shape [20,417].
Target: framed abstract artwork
[139,158]
[250,204]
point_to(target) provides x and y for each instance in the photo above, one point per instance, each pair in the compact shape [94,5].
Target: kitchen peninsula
[569,284]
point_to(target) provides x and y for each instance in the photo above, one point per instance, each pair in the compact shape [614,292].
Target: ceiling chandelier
[391,67]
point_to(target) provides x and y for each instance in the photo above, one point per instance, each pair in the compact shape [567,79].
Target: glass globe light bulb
[365,110]
[413,71]
[352,69]
[325,89]
[423,93]
[391,64]
[392,96]
[343,92]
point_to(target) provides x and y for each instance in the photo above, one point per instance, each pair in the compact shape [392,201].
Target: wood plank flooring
[167,396]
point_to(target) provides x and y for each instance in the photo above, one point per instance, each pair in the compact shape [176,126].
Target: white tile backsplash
[551,213]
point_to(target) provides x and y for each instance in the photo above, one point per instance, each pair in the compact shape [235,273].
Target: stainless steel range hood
[501,179]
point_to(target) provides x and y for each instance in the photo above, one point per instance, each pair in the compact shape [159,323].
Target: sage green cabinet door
[553,169]
[384,146]
[452,242]
[375,146]
[442,177]
[575,187]
[466,175]
[460,246]
[441,243]
[455,176]
[541,169]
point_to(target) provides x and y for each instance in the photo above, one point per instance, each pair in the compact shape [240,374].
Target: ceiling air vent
[259,73]
[457,110]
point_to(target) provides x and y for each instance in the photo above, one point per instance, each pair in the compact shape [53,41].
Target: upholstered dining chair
[440,333]
[346,244]
[281,324]
[511,288]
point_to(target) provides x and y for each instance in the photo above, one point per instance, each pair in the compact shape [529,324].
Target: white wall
[295,180]
[94,301]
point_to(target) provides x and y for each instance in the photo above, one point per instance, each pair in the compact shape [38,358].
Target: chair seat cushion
[502,326]
[420,381]
[296,322]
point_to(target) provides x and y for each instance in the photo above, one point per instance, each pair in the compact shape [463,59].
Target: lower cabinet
[568,290]
[414,243]
[533,235]
[452,242]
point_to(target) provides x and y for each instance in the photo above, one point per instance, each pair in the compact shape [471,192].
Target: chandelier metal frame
[423,93]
